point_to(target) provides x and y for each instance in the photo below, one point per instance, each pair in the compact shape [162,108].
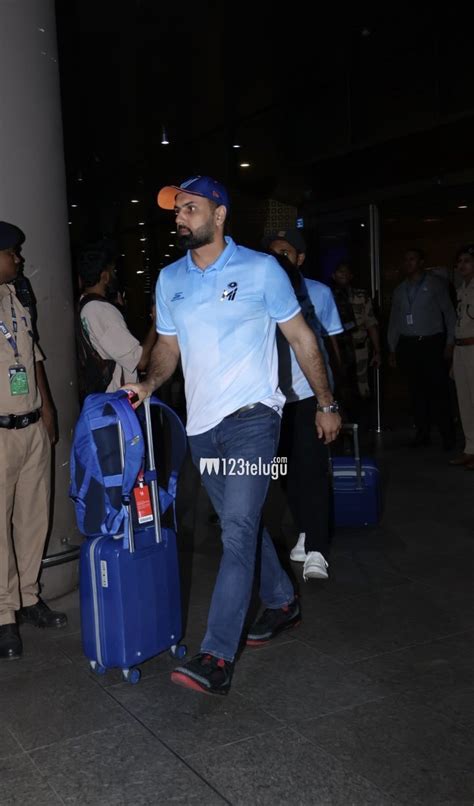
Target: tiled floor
[370,701]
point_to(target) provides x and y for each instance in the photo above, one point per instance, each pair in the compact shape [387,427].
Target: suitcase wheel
[178,651]
[96,667]
[131,676]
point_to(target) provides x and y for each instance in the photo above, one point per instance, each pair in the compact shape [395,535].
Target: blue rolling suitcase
[356,487]
[129,582]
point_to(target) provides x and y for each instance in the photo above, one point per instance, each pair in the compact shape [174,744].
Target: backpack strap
[133,457]
[178,443]
[86,353]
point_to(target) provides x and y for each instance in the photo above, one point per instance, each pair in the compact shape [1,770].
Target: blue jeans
[238,498]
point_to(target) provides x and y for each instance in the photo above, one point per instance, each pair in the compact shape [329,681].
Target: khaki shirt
[110,336]
[363,312]
[29,353]
[465,311]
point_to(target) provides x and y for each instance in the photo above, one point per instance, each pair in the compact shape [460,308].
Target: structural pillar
[33,196]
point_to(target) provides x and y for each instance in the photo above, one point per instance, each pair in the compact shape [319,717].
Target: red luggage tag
[143,501]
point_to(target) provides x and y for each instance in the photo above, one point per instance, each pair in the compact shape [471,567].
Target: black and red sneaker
[273,622]
[205,673]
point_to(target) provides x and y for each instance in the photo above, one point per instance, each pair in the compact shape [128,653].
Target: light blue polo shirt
[225,319]
[320,312]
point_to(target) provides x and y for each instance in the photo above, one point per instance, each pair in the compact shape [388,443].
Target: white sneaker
[315,566]
[297,553]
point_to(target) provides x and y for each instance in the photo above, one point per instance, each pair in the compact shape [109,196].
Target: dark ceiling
[325,110]
[293,93]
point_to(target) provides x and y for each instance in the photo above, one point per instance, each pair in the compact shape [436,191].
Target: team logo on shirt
[178,295]
[230,292]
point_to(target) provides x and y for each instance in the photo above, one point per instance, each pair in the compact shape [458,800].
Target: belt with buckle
[19,420]
[421,338]
[464,342]
[241,410]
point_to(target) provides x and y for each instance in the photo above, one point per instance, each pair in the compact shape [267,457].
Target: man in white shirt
[102,327]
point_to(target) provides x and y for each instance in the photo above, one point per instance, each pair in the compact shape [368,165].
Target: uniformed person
[27,429]
[463,358]
[359,345]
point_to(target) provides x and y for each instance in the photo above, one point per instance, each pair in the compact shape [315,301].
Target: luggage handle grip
[353,428]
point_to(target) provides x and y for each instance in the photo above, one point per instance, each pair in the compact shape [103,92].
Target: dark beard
[293,272]
[193,240]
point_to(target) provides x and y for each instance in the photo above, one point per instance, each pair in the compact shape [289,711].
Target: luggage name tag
[18,380]
[143,501]
[409,319]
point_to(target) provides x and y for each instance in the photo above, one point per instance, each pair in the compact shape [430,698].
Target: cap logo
[188,182]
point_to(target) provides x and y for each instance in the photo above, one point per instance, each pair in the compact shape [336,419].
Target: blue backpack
[101,483]
[108,453]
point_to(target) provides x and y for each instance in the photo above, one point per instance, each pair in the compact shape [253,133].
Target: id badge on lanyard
[411,302]
[17,374]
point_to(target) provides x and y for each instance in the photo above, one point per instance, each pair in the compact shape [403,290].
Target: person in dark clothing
[421,342]
[308,488]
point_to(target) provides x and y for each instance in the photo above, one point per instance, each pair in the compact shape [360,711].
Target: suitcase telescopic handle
[353,428]
[152,466]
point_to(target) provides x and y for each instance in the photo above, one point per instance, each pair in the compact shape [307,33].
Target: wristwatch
[333,408]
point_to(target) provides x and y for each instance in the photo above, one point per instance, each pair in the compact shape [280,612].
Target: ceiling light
[164,137]
[143,239]
[140,271]
[69,222]
[236,145]
[144,251]
[173,232]
[431,220]
[123,254]
[245,164]
[172,245]
[462,206]
[134,201]
[362,225]
[167,255]
[74,205]
[141,223]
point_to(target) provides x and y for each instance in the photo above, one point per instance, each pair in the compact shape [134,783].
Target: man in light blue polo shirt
[307,457]
[217,308]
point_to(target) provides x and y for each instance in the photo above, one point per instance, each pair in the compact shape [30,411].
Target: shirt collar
[6,289]
[221,261]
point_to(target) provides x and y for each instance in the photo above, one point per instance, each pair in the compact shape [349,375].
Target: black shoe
[11,647]
[273,622]
[39,615]
[205,673]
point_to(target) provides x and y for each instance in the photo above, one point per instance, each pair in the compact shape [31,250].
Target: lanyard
[8,335]
[411,297]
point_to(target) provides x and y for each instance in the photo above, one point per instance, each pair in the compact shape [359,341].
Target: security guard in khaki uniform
[359,345]
[26,432]
[463,358]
